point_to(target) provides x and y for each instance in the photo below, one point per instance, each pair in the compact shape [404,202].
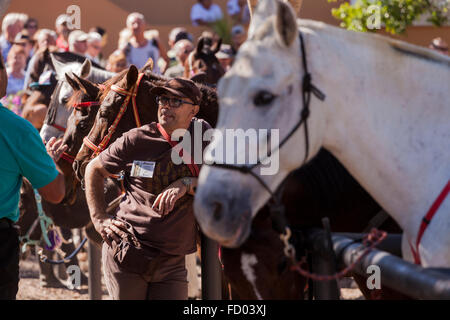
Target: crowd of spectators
[21,38]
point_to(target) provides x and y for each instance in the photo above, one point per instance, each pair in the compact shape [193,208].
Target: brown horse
[322,188]
[202,64]
[112,101]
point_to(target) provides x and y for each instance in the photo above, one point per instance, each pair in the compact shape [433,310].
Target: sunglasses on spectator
[173,102]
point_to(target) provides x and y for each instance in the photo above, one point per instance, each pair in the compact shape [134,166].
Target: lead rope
[370,241]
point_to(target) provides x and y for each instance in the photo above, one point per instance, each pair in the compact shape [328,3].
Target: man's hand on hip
[110,229]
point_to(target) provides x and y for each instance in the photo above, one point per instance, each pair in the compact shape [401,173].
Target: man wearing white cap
[94,46]
[63,32]
[78,42]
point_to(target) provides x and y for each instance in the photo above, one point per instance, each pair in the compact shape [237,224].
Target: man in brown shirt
[154,228]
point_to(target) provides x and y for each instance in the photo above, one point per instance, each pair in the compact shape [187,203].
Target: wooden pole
[211,270]
[95,275]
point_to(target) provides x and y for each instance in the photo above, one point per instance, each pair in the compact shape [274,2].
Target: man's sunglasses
[173,102]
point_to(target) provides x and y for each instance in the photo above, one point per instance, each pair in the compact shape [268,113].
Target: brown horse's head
[259,269]
[203,64]
[116,97]
[85,104]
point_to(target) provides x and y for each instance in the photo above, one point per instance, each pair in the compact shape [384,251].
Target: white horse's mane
[400,46]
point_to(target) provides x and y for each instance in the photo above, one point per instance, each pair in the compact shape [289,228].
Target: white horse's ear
[59,66]
[86,68]
[286,24]
[264,10]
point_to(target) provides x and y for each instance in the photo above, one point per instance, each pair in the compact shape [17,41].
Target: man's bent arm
[95,179]
[55,191]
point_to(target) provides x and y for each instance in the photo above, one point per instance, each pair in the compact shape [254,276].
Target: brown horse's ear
[216,47]
[87,87]
[200,45]
[148,66]
[72,82]
[132,76]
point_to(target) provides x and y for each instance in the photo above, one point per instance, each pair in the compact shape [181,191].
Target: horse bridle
[65,156]
[130,95]
[276,208]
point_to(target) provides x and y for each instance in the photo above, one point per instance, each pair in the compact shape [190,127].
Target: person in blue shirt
[23,154]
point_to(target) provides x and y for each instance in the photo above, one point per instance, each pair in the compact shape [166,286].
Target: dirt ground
[29,287]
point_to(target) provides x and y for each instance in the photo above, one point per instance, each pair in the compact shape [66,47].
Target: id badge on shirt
[142,169]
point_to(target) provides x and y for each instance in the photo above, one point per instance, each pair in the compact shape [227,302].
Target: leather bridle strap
[426,221]
[67,157]
[307,89]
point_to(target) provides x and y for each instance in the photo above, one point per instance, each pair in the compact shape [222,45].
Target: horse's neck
[387,120]
[99,76]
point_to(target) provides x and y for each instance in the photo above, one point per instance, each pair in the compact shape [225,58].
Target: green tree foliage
[394,15]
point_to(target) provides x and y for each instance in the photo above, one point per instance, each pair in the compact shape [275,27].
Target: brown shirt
[175,233]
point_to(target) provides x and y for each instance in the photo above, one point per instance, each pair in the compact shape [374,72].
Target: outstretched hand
[55,148]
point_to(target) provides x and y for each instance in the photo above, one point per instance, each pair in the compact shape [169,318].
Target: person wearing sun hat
[147,240]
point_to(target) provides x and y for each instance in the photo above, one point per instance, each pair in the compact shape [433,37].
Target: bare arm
[165,201]
[108,228]
[55,191]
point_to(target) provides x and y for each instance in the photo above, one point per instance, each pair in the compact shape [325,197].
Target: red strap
[58,127]
[192,166]
[86,104]
[67,157]
[427,219]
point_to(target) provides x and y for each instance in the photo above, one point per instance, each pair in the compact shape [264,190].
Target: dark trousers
[168,281]
[9,263]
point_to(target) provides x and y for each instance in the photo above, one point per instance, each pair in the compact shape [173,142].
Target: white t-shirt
[212,14]
[139,56]
[234,8]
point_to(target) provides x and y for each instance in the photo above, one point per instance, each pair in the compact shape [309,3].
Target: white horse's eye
[263,98]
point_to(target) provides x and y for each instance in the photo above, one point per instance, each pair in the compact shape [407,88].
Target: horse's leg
[68,248]
[47,278]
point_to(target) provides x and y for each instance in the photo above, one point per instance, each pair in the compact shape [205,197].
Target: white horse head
[64,91]
[61,95]
[264,82]
[385,119]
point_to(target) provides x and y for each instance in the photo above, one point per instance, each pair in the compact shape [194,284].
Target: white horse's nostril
[217,214]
